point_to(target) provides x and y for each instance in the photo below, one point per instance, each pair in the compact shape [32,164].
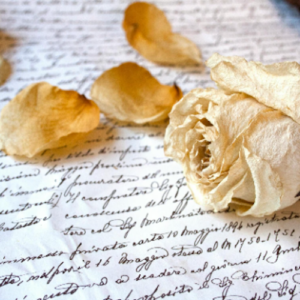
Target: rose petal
[130,93]
[276,85]
[275,139]
[149,32]
[5,70]
[40,115]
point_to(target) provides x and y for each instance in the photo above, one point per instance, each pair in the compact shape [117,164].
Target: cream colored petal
[184,115]
[41,115]
[251,184]
[220,196]
[275,138]
[235,150]
[267,185]
[234,117]
[276,85]
[228,118]
[149,32]
[130,93]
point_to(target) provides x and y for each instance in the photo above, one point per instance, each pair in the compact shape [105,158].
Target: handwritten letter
[111,217]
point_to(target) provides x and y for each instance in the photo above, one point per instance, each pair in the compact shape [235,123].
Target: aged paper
[111,218]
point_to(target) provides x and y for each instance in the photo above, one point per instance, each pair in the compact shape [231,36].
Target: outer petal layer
[276,85]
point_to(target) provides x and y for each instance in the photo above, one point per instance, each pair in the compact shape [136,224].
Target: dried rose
[41,116]
[240,144]
[149,32]
[130,93]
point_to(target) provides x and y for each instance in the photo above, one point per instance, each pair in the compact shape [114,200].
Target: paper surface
[112,218]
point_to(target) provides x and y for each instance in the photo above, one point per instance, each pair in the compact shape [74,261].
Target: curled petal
[130,93]
[149,32]
[41,115]
[276,85]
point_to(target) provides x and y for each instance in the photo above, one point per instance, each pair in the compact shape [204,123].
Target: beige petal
[276,85]
[259,181]
[5,70]
[149,32]
[130,93]
[41,115]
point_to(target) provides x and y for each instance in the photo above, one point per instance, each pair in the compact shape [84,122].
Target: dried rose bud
[240,144]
